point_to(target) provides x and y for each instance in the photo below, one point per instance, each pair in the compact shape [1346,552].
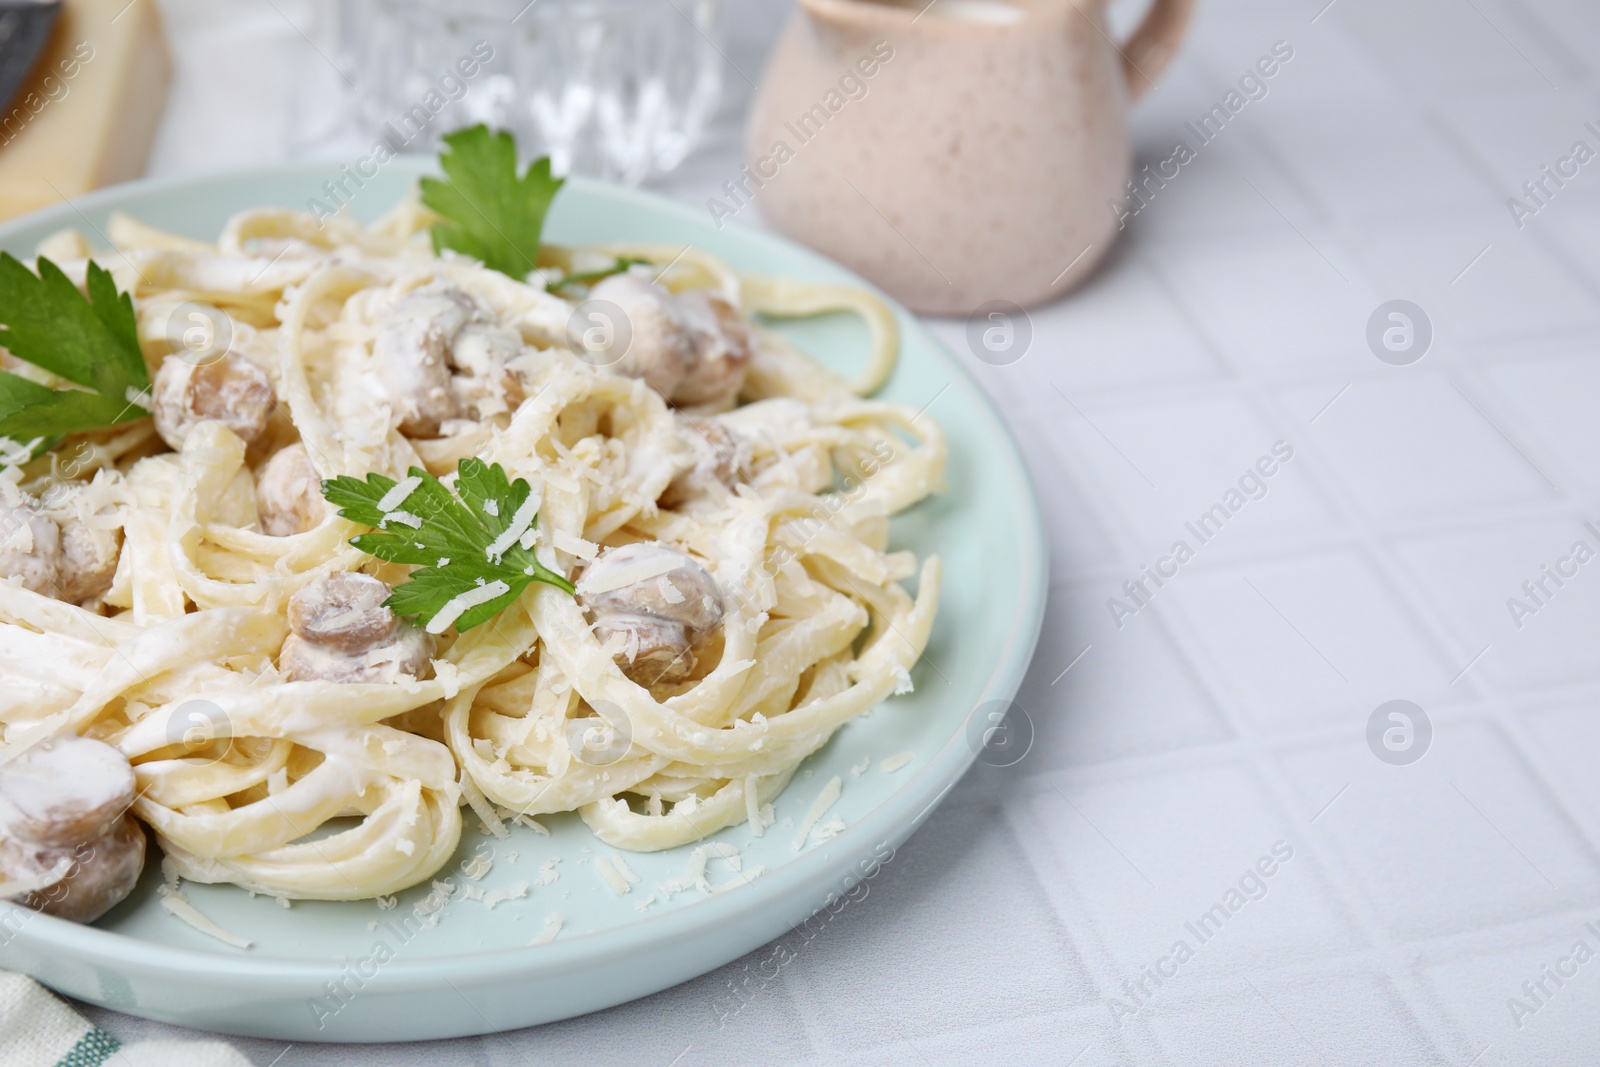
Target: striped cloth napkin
[37,1030]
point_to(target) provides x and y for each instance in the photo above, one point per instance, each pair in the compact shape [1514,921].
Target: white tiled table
[1231,713]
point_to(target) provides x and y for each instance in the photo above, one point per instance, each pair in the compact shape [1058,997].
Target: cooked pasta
[219,650]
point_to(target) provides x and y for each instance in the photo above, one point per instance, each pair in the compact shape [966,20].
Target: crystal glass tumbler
[618,89]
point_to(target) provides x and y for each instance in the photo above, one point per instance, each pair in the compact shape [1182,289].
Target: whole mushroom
[89,557]
[340,631]
[72,561]
[648,342]
[231,390]
[67,840]
[692,347]
[289,493]
[30,548]
[663,605]
[444,357]
[722,459]
[723,346]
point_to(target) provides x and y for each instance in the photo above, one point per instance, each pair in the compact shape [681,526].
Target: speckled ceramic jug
[956,152]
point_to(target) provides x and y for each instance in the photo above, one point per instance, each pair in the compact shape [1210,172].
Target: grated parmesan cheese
[552,927]
[832,828]
[574,545]
[631,574]
[610,870]
[520,522]
[825,800]
[533,824]
[890,764]
[694,875]
[481,806]
[399,494]
[752,807]
[460,605]
[478,866]
[448,677]
[176,904]
[742,878]
[21,887]
[404,518]
[623,869]
[514,891]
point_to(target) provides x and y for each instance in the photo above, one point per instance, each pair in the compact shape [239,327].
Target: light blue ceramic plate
[350,972]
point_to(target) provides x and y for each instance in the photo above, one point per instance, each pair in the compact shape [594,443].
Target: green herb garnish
[469,545]
[589,277]
[93,343]
[489,212]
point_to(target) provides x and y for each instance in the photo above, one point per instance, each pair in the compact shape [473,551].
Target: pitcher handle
[1146,54]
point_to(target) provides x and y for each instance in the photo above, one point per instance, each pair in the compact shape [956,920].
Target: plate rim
[894,819]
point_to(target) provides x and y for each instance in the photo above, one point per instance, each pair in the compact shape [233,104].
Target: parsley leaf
[490,213]
[93,343]
[456,542]
[589,278]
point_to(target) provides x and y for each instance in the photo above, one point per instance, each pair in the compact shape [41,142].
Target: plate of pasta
[487,602]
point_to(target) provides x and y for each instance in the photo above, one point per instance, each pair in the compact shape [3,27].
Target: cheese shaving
[401,492]
[513,533]
[176,904]
[614,879]
[576,546]
[752,807]
[460,605]
[742,878]
[612,579]
[552,928]
[481,806]
[825,800]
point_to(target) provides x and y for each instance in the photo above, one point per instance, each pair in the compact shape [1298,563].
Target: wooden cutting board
[88,112]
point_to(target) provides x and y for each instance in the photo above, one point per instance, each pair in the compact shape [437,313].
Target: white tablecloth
[1414,914]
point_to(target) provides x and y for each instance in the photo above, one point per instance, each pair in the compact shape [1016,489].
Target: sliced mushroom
[30,548]
[230,390]
[650,342]
[723,346]
[99,873]
[340,631]
[64,791]
[662,614]
[721,461]
[89,561]
[289,493]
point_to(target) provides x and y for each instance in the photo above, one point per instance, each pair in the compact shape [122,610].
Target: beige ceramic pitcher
[956,152]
